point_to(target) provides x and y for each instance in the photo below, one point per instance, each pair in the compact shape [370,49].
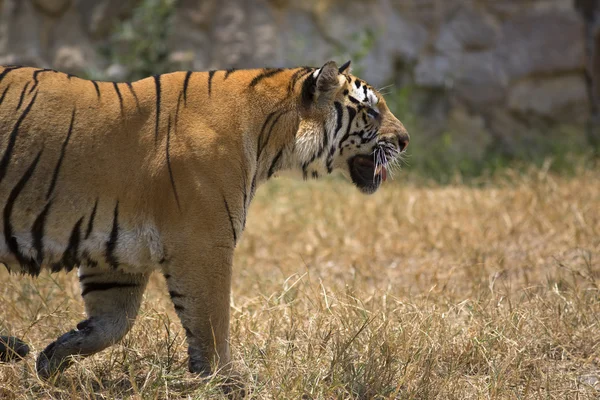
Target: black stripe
[97,89]
[262,131]
[137,101]
[269,133]
[4,92]
[11,241]
[102,286]
[230,221]
[36,79]
[169,165]
[267,73]
[157,84]
[340,120]
[22,96]
[111,244]
[323,145]
[186,81]
[297,76]
[308,90]
[90,226]
[70,258]
[340,116]
[60,158]
[174,294]
[253,184]
[228,72]
[353,99]
[178,308]
[245,191]
[88,260]
[210,78]
[274,164]
[373,113]
[87,276]
[7,70]
[177,112]
[116,86]
[13,138]
[351,116]
[37,233]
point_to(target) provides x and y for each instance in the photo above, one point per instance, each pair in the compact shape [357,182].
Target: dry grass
[439,292]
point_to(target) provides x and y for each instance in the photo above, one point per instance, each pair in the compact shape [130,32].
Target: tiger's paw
[48,365]
[12,349]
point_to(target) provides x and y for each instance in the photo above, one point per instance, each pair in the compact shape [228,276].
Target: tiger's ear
[321,85]
[345,68]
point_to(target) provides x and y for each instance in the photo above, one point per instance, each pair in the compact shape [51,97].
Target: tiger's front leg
[200,288]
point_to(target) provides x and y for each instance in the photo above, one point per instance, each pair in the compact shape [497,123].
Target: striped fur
[121,179]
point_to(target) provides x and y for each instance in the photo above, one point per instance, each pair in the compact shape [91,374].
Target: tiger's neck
[275,134]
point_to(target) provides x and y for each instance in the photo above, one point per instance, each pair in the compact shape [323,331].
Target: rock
[403,38]
[469,133]
[300,42]
[100,16]
[510,8]
[54,8]
[20,33]
[541,42]
[69,59]
[191,36]
[592,380]
[468,29]
[507,129]
[563,99]
[433,71]
[244,35]
[116,73]
[479,78]
[430,13]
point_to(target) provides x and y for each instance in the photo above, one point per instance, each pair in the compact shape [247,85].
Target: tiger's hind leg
[112,300]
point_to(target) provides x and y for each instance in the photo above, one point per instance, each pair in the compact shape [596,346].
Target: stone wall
[490,70]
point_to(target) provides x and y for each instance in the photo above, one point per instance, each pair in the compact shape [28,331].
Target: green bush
[140,43]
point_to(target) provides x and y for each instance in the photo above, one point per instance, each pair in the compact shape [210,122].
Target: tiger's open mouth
[364,173]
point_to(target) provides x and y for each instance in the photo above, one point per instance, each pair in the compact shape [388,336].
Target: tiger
[119,180]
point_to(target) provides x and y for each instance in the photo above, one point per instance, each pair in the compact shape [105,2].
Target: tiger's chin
[364,175]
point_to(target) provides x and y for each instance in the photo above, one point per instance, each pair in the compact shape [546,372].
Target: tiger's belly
[131,251]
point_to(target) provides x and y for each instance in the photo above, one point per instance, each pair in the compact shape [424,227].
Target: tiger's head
[345,125]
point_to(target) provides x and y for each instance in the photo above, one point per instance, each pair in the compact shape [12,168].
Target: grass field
[417,292]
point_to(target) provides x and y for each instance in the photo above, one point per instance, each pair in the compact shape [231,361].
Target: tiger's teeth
[378,169]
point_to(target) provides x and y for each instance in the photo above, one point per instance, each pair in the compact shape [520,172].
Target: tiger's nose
[403,140]
[403,143]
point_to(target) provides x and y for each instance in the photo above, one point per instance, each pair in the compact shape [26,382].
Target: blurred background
[480,84]
[487,290]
